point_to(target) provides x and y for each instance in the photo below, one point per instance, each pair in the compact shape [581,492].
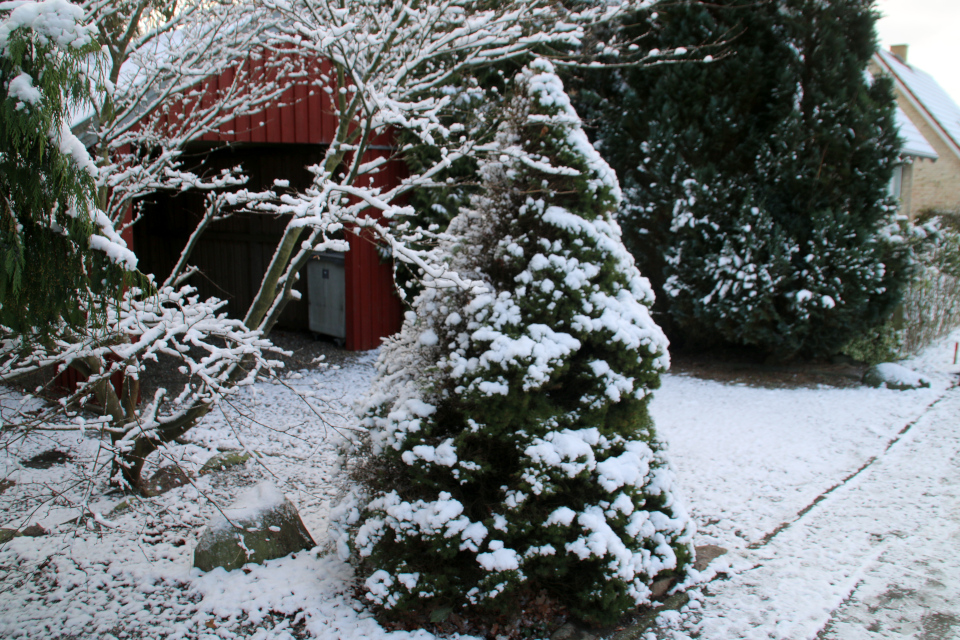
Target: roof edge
[915,102]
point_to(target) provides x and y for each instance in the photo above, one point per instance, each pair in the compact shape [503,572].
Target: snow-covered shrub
[880,344]
[725,272]
[931,302]
[512,450]
[740,274]
[930,308]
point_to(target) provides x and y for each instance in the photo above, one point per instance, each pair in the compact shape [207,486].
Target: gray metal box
[327,294]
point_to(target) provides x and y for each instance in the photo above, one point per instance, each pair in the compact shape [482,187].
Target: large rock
[165,479]
[6,535]
[34,531]
[894,376]
[262,525]
[224,460]
[707,554]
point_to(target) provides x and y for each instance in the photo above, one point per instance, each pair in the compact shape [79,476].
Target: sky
[932,29]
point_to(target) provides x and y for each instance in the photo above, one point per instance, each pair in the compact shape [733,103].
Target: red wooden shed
[277,143]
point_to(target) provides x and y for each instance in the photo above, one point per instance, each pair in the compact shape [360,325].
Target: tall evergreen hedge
[756,182]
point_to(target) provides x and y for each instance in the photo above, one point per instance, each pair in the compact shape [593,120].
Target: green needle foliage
[477,99]
[49,272]
[756,194]
[512,449]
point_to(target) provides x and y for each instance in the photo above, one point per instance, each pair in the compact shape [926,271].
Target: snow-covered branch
[160,69]
[401,66]
[216,354]
[179,72]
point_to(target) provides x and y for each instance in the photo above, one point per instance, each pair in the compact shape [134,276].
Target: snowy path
[750,459]
[876,558]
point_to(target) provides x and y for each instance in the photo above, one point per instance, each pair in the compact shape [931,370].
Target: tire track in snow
[900,509]
[866,465]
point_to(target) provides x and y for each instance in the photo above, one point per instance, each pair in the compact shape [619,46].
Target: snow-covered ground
[751,461]
[840,508]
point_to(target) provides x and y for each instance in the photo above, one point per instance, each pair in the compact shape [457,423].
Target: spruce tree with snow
[512,449]
[757,183]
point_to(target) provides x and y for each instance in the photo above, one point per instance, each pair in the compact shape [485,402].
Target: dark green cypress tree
[665,125]
[513,452]
[756,182]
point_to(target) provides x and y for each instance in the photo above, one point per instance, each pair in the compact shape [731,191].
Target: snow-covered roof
[82,118]
[923,92]
[914,144]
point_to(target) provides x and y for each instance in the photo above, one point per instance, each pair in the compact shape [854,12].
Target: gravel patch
[739,369]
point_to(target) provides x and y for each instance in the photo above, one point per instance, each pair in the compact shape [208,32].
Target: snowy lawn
[748,459]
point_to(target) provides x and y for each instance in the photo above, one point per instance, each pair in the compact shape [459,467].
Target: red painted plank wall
[304,115]
[374,310]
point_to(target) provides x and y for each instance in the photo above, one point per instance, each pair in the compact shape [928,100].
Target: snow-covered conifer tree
[56,249]
[512,449]
[756,183]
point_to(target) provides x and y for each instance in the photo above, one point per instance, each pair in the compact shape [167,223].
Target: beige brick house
[929,122]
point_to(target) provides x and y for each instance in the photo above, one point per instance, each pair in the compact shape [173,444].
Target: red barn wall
[373,308]
[304,115]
